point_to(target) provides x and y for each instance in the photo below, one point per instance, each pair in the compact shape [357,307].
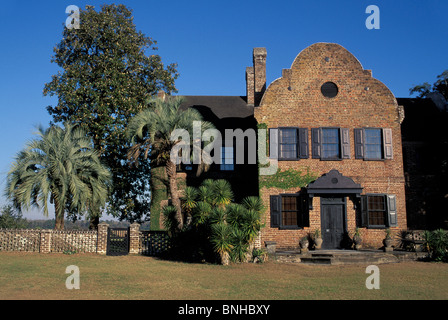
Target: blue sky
[212,43]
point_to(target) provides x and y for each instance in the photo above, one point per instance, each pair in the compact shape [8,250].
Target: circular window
[329,89]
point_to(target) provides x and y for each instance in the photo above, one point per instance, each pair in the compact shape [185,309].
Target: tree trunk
[94,221]
[59,215]
[250,249]
[172,179]
[225,258]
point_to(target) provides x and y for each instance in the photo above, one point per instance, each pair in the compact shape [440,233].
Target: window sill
[374,159]
[290,228]
[332,159]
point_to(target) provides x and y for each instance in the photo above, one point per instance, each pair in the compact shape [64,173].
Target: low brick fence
[46,241]
[151,243]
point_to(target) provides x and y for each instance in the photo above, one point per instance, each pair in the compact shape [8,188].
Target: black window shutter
[303,143]
[316,143]
[345,143]
[387,143]
[359,143]
[364,211]
[275,211]
[273,143]
[304,210]
[392,210]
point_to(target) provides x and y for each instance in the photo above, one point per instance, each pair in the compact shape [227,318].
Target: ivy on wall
[287,179]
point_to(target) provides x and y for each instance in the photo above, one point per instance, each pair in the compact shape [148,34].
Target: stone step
[330,257]
[317,260]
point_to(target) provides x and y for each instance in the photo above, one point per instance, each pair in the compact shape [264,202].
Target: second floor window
[288,142]
[331,148]
[373,143]
[227,163]
[330,143]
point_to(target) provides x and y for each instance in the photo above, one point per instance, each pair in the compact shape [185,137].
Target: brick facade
[296,100]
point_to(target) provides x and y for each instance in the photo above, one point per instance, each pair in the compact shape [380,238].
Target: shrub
[436,243]
[220,230]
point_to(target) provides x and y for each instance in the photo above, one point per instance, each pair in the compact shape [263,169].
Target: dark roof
[222,106]
[223,111]
[334,182]
[422,119]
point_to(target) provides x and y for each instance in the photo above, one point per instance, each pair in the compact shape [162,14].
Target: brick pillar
[45,241]
[134,238]
[102,238]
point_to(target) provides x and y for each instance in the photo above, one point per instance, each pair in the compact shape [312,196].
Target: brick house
[328,116]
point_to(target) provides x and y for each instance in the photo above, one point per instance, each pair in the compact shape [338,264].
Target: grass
[42,276]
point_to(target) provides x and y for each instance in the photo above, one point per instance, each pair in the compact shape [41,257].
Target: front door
[332,222]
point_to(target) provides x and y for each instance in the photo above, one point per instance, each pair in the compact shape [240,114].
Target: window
[289,211]
[376,207]
[227,163]
[378,210]
[288,143]
[329,89]
[373,143]
[330,143]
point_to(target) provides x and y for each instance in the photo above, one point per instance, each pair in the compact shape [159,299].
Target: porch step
[343,257]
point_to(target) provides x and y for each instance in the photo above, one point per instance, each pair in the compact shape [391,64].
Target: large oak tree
[108,72]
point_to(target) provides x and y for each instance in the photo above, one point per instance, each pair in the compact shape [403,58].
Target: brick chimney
[256,77]
[250,83]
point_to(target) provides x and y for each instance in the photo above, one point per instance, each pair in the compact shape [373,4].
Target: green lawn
[42,276]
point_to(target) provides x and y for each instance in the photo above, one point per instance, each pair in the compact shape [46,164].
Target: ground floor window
[378,210]
[288,211]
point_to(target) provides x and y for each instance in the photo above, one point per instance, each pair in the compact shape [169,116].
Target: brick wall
[52,241]
[295,99]
[46,241]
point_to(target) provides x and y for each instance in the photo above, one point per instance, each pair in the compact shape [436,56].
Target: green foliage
[259,255]
[150,130]
[11,218]
[221,237]
[150,133]
[287,179]
[219,226]
[437,244]
[440,86]
[69,252]
[109,70]
[60,167]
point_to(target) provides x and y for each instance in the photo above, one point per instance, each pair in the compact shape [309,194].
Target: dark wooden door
[332,222]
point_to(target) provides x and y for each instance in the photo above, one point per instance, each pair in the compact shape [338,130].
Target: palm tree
[61,166]
[150,131]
